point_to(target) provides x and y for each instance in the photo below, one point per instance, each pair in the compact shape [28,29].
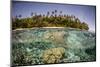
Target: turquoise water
[33,46]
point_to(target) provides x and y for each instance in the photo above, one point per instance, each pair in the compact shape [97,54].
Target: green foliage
[48,20]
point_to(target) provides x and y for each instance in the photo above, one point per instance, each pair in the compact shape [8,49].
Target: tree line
[50,19]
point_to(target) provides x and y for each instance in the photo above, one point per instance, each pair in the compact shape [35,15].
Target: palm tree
[35,14]
[60,12]
[78,20]
[52,13]
[32,14]
[51,16]
[48,13]
[16,17]
[72,17]
[20,16]
[43,15]
[64,15]
[55,13]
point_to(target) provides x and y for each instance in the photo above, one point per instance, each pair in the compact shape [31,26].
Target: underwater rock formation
[53,55]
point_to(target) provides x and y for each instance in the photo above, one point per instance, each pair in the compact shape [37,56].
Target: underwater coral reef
[52,45]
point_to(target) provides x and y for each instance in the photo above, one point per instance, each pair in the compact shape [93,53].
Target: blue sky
[84,13]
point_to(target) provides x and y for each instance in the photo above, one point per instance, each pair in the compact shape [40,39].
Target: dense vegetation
[51,19]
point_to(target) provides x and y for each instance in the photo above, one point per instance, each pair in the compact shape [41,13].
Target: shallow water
[29,45]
